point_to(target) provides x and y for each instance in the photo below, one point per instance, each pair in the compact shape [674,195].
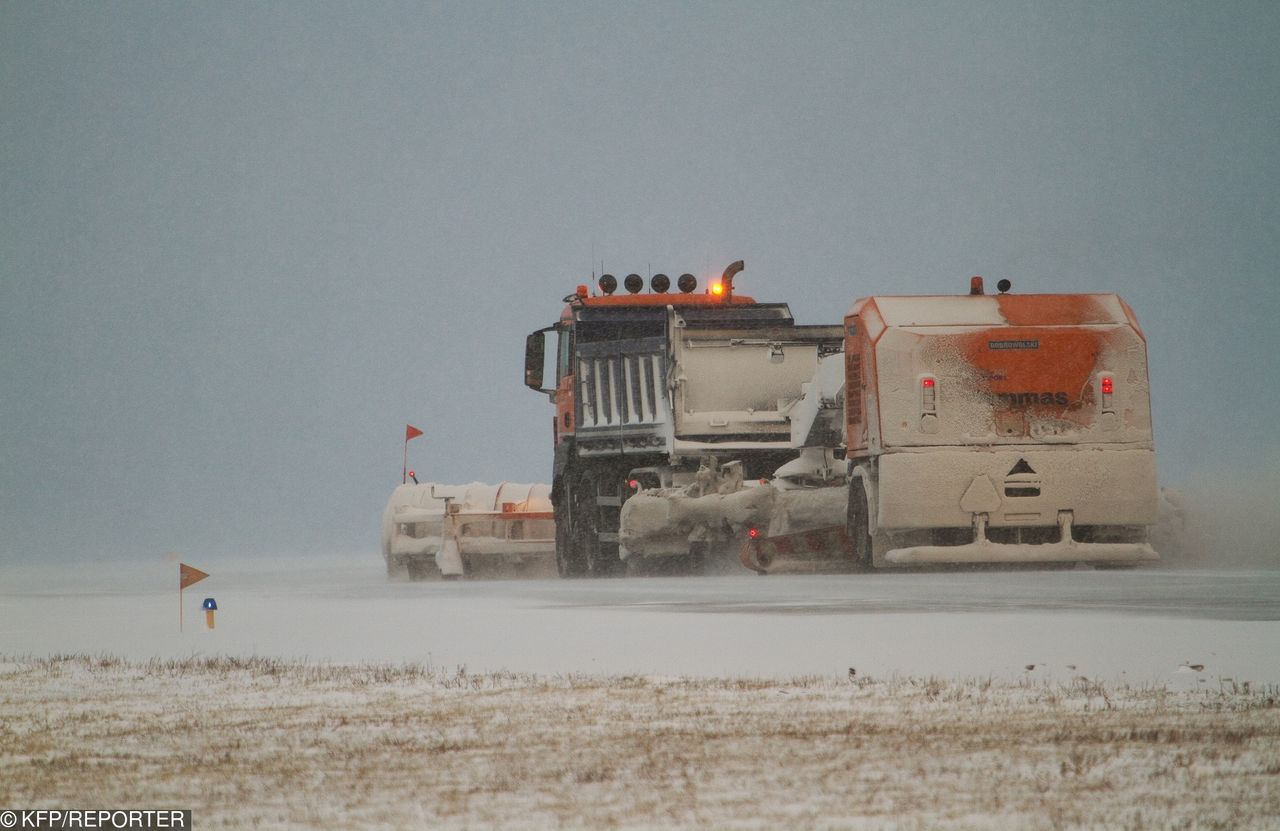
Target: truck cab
[651,385]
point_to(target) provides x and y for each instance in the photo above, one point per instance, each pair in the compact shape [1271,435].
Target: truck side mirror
[535,347]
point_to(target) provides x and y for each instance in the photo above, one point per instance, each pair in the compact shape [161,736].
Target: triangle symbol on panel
[1021,467]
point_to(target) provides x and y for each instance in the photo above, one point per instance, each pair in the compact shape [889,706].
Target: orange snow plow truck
[950,430]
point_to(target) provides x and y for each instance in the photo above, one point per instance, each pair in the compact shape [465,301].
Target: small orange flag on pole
[410,432]
[187,576]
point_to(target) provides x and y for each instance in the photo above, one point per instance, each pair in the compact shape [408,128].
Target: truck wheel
[568,561]
[416,568]
[859,526]
[698,558]
[599,558]
[395,571]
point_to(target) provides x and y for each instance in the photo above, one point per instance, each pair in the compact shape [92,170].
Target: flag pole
[410,432]
[179,604]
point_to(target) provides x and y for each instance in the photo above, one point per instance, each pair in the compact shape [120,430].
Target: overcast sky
[243,244]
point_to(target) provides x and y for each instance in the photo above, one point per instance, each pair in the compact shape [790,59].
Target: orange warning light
[717,289]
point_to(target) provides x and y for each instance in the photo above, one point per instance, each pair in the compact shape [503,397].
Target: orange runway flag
[411,432]
[188,576]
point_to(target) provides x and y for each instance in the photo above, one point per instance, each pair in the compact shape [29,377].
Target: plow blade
[818,550]
[498,549]
[476,530]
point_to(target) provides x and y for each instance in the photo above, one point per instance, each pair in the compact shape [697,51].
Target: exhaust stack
[726,280]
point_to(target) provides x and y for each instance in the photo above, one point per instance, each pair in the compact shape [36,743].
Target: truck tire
[600,559]
[395,571]
[859,526]
[697,560]
[568,560]
[417,568]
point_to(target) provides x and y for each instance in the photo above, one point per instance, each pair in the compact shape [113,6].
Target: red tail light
[753,533]
[635,484]
[1107,384]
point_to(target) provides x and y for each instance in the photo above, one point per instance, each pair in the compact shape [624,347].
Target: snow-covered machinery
[474,530]
[1006,428]
[650,388]
[952,430]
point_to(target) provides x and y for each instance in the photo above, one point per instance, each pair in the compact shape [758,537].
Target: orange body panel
[1052,309]
[1006,366]
[1003,373]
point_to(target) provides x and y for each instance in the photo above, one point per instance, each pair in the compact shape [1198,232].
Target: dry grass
[264,743]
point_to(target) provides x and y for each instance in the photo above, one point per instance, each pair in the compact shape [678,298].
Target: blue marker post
[210,606]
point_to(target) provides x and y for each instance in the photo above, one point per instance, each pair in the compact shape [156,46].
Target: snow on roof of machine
[429,498]
[1000,310]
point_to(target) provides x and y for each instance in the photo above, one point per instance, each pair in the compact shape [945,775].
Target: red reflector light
[1107,385]
[753,533]
[927,383]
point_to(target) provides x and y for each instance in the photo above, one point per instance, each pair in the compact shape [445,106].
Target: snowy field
[261,743]
[328,697]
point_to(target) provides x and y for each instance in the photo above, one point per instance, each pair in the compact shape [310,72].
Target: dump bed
[688,381]
[734,384]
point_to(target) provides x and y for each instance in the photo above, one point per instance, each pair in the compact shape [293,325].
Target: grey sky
[242,245]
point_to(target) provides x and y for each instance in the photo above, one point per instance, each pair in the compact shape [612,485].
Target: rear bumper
[982,550]
[976,553]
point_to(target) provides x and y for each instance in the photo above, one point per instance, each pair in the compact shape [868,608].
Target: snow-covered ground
[262,743]
[329,697]
[1141,626]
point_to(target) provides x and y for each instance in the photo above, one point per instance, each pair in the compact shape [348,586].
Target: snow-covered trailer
[475,530]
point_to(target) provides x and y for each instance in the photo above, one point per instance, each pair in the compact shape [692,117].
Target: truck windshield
[564,353]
